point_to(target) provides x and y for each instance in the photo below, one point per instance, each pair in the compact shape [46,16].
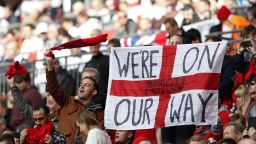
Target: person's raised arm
[53,87]
[25,108]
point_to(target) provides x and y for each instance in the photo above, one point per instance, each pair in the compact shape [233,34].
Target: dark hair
[22,77]
[226,141]
[8,138]
[42,106]
[191,35]
[237,117]
[214,39]
[115,42]
[64,32]
[95,84]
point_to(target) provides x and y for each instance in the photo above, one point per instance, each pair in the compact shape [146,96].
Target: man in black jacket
[100,62]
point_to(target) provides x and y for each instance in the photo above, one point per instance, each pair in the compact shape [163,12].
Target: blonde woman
[89,127]
[243,99]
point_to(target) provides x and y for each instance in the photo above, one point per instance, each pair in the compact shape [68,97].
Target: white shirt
[33,44]
[97,136]
[146,11]
[86,28]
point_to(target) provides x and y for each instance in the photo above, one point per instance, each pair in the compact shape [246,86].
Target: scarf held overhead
[82,42]
[79,43]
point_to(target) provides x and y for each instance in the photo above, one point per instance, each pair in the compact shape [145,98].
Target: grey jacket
[24,107]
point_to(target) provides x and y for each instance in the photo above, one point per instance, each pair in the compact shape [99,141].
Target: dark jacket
[241,64]
[101,63]
[66,81]
[227,77]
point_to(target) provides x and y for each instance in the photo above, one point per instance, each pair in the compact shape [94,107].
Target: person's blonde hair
[88,118]
[243,92]
[239,92]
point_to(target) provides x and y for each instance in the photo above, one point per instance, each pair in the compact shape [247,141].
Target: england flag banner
[161,86]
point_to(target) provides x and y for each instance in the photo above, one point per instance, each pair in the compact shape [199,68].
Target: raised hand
[23,134]
[49,58]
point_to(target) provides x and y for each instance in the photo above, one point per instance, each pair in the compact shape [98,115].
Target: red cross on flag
[160,86]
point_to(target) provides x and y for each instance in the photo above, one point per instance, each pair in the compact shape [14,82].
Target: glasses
[39,119]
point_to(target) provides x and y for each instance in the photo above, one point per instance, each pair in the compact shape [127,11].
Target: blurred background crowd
[29,26]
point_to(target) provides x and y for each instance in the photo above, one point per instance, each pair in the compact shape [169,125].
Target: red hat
[223,13]
[15,69]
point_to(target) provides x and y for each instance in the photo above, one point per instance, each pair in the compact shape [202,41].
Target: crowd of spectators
[60,111]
